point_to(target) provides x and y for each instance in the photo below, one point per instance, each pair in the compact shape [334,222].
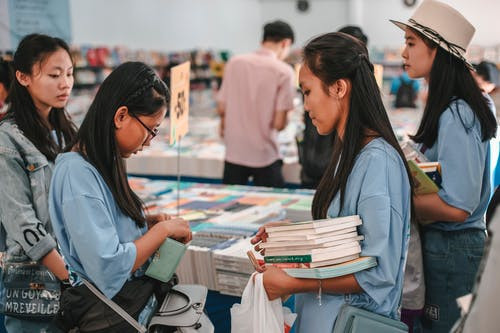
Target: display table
[202,153]
[223,218]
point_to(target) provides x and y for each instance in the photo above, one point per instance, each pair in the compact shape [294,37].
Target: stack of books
[316,249]
[426,174]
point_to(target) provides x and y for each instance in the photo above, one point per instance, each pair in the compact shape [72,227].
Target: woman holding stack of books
[367,176]
[455,130]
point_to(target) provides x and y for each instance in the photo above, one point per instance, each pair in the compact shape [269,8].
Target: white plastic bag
[256,313]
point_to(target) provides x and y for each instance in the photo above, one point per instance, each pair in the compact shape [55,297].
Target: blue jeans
[15,325]
[451,261]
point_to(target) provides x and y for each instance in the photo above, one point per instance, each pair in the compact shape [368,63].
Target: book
[282,265]
[423,183]
[330,262]
[327,272]
[311,224]
[350,233]
[313,232]
[293,251]
[165,260]
[411,152]
[347,237]
[315,256]
[432,170]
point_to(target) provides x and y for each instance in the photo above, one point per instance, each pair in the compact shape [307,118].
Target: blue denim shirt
[26,233]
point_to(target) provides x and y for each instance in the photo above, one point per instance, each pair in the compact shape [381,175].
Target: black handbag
[82,311]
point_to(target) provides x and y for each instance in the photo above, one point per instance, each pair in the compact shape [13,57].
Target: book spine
[287,259]
[291,265]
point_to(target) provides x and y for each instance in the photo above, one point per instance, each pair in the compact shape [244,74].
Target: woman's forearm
[55,263]
[430,207]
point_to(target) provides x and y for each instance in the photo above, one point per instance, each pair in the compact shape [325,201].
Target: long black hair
[33,49]
[331,57]
[450,79]
[136,86]
[6,74]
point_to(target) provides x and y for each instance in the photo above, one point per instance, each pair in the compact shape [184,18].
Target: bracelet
[319,292]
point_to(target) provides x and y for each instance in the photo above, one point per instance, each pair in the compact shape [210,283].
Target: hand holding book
[261,235]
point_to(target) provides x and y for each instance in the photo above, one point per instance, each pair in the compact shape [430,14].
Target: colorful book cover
[423,184]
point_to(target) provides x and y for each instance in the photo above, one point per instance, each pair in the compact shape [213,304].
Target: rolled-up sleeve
[462,162]
[106,261]
[17,213]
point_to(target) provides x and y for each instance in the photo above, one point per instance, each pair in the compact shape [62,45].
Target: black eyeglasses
[153,132]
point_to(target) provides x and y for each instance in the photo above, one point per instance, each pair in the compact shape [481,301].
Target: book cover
[423,184]
[165,260]
[327,272]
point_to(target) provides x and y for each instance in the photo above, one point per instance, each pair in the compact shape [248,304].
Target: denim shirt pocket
[39,172]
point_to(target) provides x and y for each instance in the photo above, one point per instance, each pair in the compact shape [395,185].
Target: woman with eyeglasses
[103,231]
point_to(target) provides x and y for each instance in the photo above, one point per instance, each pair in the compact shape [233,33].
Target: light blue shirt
[465,165]
[95,237]
[396,83]
[379,191]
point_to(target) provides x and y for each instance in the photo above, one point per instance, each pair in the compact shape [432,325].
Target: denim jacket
[26,233]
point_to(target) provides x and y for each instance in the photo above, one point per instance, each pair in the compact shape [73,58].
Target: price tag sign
[179,101]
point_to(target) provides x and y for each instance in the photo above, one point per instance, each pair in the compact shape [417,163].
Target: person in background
[314,149]
[488,78]
[367,176]
[256,94]
[5,80]
[455,130]
[34,130]
[405,90]
[103,231]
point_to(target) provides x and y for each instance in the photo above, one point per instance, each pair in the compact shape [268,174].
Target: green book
[165,260]
[284,259]
[423,183]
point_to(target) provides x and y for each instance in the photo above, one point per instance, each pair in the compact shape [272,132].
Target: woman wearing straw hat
[455,131]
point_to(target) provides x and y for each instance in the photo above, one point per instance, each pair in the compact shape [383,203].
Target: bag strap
[115,307]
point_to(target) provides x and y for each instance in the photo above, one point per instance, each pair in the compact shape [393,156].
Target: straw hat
[442,24]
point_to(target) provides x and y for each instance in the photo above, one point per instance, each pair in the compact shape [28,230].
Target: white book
[316,257]
[310,242]
[333,261]
[292,251]
[315,246]
[312,224]
[312,233]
